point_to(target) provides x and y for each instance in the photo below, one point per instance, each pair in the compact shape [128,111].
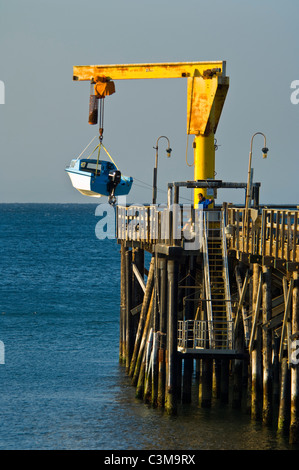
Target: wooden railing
[157,224]
[265,232]
[269,232]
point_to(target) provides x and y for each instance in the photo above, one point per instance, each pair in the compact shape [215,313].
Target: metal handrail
[194,334]
[207,277]
[226,273]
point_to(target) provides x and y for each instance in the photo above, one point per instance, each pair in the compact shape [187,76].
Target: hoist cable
[101,118]
[109,156]
[98,159]
[86,148]
[149,187]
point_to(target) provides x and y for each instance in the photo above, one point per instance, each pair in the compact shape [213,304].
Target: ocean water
[61,385]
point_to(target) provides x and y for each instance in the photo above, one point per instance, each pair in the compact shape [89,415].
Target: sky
[44,119]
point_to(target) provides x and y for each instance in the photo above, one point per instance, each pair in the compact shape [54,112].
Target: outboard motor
[114,180]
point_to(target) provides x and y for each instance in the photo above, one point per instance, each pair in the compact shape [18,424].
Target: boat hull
[82,183]
[93,183]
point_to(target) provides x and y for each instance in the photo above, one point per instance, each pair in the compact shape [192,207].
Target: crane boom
[206,92]
[149,70]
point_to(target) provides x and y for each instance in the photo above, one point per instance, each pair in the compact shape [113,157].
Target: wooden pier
[217,307]
[217,304]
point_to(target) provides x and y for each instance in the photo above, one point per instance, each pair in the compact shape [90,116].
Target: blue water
[61,386]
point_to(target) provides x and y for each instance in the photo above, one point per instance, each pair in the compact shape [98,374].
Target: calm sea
[61,386]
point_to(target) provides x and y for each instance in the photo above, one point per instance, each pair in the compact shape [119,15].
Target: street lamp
[249,182]
[168,150]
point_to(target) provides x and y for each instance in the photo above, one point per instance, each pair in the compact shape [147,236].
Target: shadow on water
[193,428]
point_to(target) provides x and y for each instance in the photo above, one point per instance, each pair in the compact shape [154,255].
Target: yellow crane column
[204,162]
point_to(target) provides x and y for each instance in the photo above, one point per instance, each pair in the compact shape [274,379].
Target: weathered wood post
[187,379]
[294,423]
[189,314]
[237,382]
[139,372]
[156,335]
[129,322]
[276,374]
[206,383]
[138,264]
[224,386]
[283,421]
[163,331]
[171,366]
[254,347]
[139,375]
[285,372]
[142,318]
[122,323]
[216,386]
[241,336]
[267,347]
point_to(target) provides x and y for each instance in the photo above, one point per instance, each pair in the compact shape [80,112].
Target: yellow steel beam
[150,70]
[205,100]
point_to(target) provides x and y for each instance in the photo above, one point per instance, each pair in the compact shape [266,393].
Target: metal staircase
[216,332]
[216,279]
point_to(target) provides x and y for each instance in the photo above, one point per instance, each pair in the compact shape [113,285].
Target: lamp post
[265,151]
[168,150]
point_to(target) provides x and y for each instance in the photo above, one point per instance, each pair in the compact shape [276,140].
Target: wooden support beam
[283,421]
[162,264]
[138,271]
[171,369]
[256,314]
[294,423]
[139,277]
[122,321]
[206,383]
[142,345]
[255,347]
[242,294]
[287,299]
[267,346]
[129,332]
[139,373]
[143,315]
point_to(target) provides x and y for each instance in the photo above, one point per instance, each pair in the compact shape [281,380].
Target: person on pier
[203,201]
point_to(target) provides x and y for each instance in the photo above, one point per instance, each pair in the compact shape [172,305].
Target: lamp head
[169,150]
[265,151]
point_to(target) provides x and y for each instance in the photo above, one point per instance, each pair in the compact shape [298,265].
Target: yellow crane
[207,86]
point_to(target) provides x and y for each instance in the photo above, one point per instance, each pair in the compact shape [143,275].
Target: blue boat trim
[98,177]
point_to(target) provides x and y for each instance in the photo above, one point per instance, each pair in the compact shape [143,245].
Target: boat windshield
[91,167]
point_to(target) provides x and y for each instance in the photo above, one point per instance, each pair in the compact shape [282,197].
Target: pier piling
[294,423]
